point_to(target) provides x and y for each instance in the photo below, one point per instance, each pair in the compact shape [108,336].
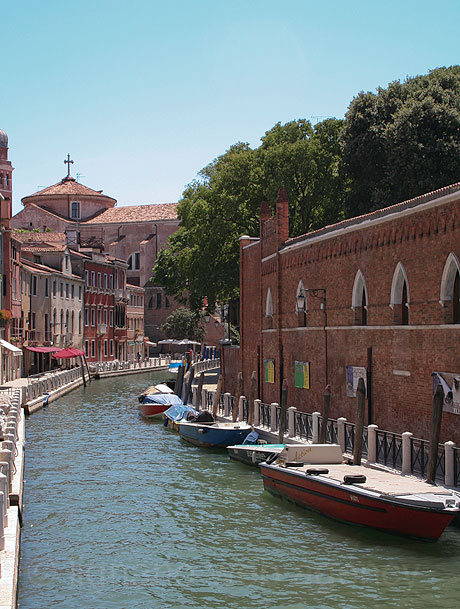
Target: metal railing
[265,415]
[389,449]
[303,427]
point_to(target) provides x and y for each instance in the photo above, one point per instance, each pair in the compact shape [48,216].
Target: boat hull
[218,435]
[350,505]
[253,454]
[151,411]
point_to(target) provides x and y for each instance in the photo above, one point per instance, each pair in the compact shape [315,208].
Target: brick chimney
[282,216]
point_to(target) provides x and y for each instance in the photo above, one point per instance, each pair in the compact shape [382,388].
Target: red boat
[156,400]
[315,477]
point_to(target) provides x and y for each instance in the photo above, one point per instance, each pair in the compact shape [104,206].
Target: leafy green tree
[183,323]
[403,141]
[202,258]
[306,161]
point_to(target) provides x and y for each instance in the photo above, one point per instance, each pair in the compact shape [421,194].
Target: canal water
[120,513]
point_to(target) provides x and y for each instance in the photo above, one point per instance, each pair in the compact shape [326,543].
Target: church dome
[3,139]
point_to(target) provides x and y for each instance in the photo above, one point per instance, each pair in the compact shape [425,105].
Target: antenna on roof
[79,175]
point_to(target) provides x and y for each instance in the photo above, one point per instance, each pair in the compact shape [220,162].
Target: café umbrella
[71,352]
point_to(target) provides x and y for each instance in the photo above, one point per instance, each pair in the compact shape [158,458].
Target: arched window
[269,304]
[269,309]
[399,299]
[450,290]
[359,300]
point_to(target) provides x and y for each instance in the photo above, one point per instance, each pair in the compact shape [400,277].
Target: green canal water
[120,513]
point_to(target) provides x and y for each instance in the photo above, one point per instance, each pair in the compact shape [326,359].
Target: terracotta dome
[3,139]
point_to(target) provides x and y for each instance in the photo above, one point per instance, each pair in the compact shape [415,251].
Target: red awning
[42,349]
[68,353]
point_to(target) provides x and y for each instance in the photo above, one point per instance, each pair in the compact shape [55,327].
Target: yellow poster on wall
[302,375]
[269,369]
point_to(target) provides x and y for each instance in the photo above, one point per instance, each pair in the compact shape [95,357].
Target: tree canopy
[202,257]
[402,141]
[183,323]
[394,144]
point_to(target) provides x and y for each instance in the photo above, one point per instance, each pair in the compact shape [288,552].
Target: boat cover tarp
[162,398]
[177,412]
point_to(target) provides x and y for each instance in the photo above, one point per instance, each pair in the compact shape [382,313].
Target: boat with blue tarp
[211,433]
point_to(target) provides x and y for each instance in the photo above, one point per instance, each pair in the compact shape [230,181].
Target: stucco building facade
[91,219]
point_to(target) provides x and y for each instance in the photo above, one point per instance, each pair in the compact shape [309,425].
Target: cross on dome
[68,163]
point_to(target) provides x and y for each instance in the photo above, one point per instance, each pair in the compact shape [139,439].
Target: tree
[202,258]
[402,141]
[183,323]
[306,161]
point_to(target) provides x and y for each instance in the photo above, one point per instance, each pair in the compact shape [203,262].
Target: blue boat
[176,413]
[217,434]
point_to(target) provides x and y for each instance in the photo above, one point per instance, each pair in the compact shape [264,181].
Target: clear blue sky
[144,93]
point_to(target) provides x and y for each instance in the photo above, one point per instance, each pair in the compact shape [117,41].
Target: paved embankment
[11,485]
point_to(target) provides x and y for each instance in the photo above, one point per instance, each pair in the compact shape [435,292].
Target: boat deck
[377,480]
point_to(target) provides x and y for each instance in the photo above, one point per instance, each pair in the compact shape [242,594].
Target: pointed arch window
[450,290]
[359,300]
[269,309]
[399,300]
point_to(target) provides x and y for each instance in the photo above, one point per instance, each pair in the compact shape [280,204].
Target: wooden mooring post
[252,397]
[325,414]
[359,424]
[199,391]
[436,418]
[239,391]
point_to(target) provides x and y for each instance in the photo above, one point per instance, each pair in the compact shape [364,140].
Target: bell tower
[6,180]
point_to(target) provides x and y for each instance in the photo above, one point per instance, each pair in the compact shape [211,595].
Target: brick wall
[420,235]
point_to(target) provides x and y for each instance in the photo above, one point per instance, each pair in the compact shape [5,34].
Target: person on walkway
[138,358]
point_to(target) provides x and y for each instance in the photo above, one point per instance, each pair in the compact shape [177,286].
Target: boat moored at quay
[317,478]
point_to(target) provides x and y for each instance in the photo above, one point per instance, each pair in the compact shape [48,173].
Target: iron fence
[265,415]
[418,456]
[303,425]
[389,449]
[456,466]
[278,419]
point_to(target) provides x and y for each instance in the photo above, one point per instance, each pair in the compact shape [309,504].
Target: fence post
[406,456]
[240,408]
[449,463]
[257,412]
[341,433]
[372,442]
[315,427]
[226,404]
[273,406]
[291,421]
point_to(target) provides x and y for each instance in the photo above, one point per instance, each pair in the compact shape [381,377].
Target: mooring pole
[239,391]
[436,419]
[252,397]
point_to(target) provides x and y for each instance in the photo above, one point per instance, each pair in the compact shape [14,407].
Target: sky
[145,93]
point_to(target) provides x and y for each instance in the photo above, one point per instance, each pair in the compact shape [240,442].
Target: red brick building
[374,296]
[105,322]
